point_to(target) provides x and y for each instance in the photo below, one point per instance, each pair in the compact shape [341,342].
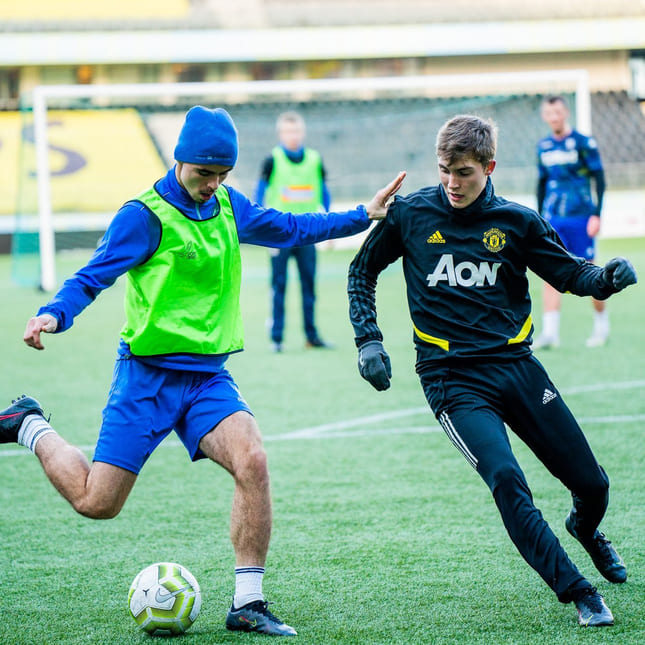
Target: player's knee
[604,479]
[600,488]
[506,477]
[253,466]
[101,510]
[594,489]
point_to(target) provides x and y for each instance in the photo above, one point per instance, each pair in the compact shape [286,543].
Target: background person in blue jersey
[568,161]
[178,243]
[465,254]
[293,179]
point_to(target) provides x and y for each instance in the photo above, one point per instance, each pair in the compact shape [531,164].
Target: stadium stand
[65,14]
[334,12]
[364,142]
[358,142]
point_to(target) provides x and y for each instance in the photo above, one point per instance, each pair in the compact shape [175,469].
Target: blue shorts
[573,233]
[146,403]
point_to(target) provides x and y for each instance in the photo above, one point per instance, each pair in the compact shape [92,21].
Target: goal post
[45,98]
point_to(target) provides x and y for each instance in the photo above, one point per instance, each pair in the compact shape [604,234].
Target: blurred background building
[71,41]
[364,139]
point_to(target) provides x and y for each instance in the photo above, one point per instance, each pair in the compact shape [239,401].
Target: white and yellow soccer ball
[164,599]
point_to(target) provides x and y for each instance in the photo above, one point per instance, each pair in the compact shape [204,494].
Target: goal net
[87,149]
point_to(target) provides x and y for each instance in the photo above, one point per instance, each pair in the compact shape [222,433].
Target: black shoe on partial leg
[592,609]
[12,417]
[318,343]
[602,553]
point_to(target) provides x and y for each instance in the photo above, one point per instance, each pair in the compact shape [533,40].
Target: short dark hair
[550,99]
[467,135]
[290,117]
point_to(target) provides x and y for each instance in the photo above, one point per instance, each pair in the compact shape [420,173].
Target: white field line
[340,429]
[306,433]
[600,387]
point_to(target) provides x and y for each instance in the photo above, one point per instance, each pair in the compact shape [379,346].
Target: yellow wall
[43,10]
[98,160]
[10,125]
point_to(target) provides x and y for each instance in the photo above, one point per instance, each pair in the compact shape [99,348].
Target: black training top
[465,271]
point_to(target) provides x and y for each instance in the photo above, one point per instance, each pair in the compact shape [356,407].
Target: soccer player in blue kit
[465,254]
[179,245]
[568,161]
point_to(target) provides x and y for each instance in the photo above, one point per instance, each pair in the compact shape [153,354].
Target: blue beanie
[208,137]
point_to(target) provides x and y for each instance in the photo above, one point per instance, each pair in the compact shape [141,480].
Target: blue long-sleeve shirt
[134,234]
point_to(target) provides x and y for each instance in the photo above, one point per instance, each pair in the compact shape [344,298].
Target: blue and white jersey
[566,166]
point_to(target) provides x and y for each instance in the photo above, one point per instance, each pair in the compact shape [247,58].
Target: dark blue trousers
[305,257]
[474,402]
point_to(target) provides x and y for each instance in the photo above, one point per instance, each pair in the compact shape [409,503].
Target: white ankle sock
[248,585]
[33,429]
[551,324]
[601,323]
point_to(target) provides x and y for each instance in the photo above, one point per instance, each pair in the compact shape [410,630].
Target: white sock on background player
[600,331]
[551,325]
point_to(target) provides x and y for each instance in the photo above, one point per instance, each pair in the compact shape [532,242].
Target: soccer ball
[164,598]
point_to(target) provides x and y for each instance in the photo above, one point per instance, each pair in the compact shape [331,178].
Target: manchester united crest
[494,240]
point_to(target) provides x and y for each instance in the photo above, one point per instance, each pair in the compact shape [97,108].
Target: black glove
[619,273]
[374,364]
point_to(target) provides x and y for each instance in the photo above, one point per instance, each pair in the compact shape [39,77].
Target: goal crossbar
[576,79]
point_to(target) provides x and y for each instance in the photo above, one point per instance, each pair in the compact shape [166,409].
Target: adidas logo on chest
[436,238]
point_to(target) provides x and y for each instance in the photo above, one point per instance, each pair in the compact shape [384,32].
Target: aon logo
[465,274]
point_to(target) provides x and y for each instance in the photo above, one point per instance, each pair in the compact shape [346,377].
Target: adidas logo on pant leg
[548,396]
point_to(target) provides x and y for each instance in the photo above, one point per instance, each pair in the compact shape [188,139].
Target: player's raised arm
[377,207]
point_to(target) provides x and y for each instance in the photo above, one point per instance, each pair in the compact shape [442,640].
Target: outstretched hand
[35,326]
[377,208]
[619,273]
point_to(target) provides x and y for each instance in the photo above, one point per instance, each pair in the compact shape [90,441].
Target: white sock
[551,324]
[33,429]
[248,585]
[601,323]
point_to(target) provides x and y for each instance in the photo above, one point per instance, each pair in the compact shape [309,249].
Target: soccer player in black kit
[465,254]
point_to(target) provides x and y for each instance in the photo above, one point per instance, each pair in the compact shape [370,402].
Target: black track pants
[473,401]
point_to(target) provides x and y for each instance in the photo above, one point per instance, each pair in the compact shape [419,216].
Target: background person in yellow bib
[293,179]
